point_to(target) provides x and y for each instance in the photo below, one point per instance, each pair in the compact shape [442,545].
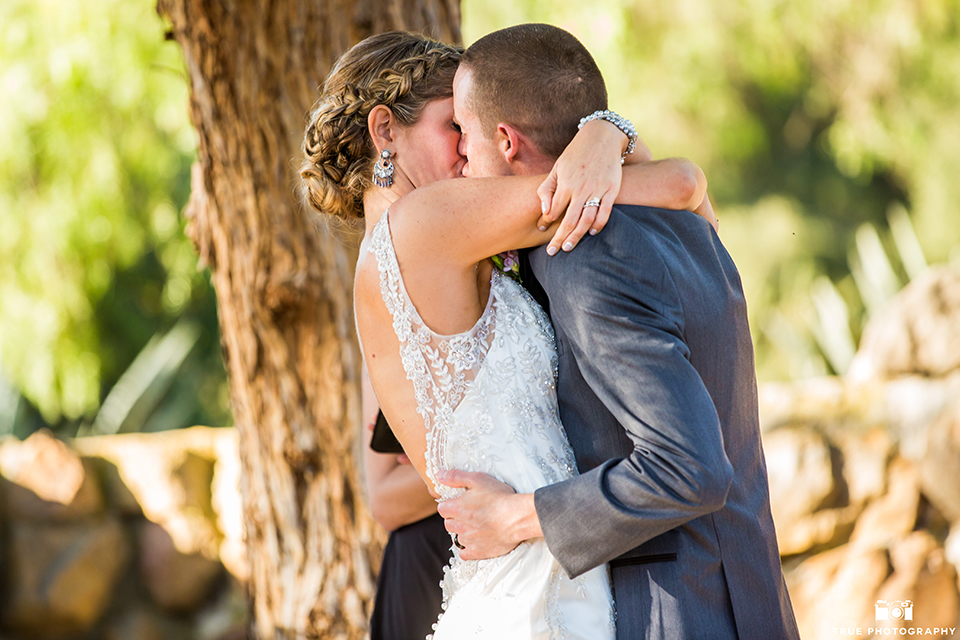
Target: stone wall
[130,537]
[865,491]
[865,475]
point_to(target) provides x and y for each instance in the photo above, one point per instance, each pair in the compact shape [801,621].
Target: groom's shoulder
[651,227]
[677,229]
[635,238]
[657,218]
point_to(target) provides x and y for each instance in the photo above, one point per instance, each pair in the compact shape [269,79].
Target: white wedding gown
[488,399]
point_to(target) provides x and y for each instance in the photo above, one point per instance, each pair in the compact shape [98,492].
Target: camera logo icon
[896,610]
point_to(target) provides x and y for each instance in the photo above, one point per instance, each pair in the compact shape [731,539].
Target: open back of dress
[488,400]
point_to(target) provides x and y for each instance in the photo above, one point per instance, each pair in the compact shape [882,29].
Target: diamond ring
[592,202]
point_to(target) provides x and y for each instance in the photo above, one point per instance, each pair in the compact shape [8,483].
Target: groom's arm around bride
[657,393]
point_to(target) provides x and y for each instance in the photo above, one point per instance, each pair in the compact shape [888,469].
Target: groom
[657,389]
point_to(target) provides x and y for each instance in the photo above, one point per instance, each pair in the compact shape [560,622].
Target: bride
[461,358]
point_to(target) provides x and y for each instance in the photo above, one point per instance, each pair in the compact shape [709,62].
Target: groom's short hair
[536,77]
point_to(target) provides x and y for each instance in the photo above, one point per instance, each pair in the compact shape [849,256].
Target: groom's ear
[509,140]
[380,123]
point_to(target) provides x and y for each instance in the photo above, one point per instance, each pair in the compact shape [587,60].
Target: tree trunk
[284,295]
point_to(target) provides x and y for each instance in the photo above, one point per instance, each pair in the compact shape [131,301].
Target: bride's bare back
[450,298]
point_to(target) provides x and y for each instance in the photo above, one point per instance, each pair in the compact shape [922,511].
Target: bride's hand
[589,168]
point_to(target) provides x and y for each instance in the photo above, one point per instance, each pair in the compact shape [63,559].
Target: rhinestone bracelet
[620,123]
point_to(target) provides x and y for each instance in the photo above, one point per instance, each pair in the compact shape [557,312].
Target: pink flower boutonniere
[509,263]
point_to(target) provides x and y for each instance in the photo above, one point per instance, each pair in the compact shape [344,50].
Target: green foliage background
[811,119]
[95,153]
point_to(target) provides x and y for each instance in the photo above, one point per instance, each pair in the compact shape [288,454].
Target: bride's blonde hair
[402,71]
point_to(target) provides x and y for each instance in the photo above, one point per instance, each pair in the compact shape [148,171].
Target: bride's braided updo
[402,71]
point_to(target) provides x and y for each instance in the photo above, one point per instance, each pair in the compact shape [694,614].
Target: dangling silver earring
[383,170]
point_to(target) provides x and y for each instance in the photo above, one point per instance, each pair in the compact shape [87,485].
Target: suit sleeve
[625,330]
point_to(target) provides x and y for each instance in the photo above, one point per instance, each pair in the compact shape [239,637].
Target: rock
[116,491]
[916,333]
[836,590]
[800,402]
[235,633]
[138,624]
[805,482]
[910,405]
[228,504]
[893,515]
[931,520]
[865,459]
[811,578]
[177,581]
[48,482]
[226,618]
[169,475]
[61,577]
[800,467]
[820,530]
[908,556]
[951,546]
[936,598]
[940,468]
[923,577]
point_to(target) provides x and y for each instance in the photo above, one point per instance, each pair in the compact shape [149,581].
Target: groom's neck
[532,164]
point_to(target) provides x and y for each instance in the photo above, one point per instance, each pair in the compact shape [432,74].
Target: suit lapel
[530,282]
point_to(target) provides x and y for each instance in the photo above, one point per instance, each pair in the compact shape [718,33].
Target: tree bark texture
[284,295]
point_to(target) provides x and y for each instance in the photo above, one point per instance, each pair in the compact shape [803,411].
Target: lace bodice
[487,395]
[488,401]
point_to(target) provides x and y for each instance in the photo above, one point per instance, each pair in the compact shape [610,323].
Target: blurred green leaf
[95,152]
[819,114]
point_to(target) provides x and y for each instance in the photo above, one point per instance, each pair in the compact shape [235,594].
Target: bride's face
[428,150]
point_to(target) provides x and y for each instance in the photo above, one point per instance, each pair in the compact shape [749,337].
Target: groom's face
[484,156]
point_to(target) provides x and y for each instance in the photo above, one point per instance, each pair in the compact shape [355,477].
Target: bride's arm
[671,183]
[680,185]
[467,220]
[588,169]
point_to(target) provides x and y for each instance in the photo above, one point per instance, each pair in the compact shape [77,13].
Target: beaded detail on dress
[487,397]
[440,367]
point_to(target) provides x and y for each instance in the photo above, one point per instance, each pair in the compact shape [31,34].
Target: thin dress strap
[440,367]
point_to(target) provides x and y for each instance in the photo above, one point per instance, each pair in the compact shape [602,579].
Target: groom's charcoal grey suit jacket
[658,396]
